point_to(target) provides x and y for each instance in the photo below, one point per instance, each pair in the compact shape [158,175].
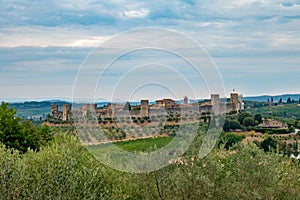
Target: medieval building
[215,106]
[64,115]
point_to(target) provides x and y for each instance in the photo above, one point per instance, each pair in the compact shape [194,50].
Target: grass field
[144,145]
[139,145]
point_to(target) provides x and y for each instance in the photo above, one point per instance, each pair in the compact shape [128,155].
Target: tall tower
[66,112]
[215,99]
[54,110]
[144,108]
[85,109]
[111,110]
[93,107]
[215,102]
[234,100]
[185,100]
[88,109]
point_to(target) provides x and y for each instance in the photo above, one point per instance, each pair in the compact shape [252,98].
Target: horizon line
[104,100]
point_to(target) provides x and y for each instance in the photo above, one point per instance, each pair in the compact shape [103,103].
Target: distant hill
[276,98]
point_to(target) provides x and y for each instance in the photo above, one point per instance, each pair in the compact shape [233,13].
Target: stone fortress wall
[164,106]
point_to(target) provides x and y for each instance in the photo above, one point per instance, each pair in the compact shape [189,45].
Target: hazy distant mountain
[276,98]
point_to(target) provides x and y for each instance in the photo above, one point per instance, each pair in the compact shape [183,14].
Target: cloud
[73,23]
[135,13]
[40,36]
[47,40]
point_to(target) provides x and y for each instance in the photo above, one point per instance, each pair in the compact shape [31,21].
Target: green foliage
[20,135]
[169,119]
[258,118]
[249,121]
[62,170]
[272,131]
[231,125]
[127,106]
[230,139]
[284,111]
[253,104]
[269,144]
[65,170]
[247,174]
[242,116]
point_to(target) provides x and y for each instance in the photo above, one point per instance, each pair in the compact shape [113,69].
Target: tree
[231,125]
[258,118]
[297,123]
[9,127]
[289,100]
[127,106]
[249,121]
[272,100]
[230,139]
[280,101]
[295,148]
[242,116]
[20,135]
[268,144]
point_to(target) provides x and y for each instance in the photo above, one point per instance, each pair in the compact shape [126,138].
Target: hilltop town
[167,106]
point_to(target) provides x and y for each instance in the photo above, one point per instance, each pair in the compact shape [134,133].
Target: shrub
[269,144]
[62,170]
[230,139]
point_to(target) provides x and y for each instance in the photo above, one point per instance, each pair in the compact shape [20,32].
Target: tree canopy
[258,118]
[242,116]
[249,121]
[20,135]
[231,125]
[269,144]
[127,106]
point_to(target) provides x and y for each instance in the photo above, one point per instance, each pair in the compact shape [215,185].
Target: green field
[139,145]
[144,145]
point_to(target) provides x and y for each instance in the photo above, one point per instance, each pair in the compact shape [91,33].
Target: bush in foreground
[65,170]
[62,170]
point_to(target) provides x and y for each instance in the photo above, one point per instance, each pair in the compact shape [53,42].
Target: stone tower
[89,109]
[85,109]
[185,100]
[93,107]
[54,110]
[215,99]
[215,102]
[66,112]
[234,100]
[111,110]
[144,108]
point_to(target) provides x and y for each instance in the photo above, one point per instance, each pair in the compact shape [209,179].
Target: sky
[255,45]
